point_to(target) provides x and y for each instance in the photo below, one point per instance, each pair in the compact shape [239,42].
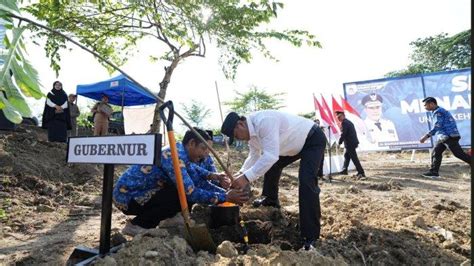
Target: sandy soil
[394,217]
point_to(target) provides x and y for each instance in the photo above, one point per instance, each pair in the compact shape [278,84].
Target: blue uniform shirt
[444,124]
[141,182]
[208,164]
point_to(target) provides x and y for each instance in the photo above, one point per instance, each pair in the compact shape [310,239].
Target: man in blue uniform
[444,126]
[149,192]
[207,163]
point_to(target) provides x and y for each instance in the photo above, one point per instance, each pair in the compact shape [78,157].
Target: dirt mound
[29,154]
[158,247]
[394,217]
[387,186]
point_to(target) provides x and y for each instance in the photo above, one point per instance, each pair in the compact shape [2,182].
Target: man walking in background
[349,137]
[444,126]
[74,111]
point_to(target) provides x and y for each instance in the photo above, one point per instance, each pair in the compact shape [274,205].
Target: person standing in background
[74,112]
[56,116]
[102,111]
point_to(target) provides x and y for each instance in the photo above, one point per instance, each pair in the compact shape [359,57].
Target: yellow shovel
[197,235]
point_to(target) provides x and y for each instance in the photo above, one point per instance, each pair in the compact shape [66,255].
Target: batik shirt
[444,124]
[141,182]
[208,165]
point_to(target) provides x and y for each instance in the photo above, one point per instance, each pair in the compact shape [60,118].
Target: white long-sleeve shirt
[273,134]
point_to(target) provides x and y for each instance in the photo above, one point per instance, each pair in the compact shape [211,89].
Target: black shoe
[266,202]
[343,172]
[430,174]
[360,176]
[310,246]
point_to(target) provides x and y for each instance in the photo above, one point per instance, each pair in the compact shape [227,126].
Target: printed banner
[393,113]
[452,91]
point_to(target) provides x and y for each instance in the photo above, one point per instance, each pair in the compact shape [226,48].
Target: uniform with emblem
[153,189]
[380,130]
[446,130]
[208,164]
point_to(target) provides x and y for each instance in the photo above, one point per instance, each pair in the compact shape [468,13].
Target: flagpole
[329,151]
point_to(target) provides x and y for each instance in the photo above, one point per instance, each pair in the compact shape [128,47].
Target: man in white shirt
[277,139]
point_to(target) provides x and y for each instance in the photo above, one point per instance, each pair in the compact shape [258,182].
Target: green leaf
[9,6]
[11,53]
[27,83]
[9,111]
[16,99]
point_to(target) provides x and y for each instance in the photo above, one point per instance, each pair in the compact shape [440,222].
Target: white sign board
[128,149]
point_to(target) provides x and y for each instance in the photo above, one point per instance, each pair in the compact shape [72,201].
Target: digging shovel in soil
[197,235]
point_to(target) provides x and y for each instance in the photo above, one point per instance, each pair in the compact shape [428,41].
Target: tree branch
[226,170]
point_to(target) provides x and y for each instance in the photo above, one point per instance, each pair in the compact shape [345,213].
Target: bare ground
[394,217]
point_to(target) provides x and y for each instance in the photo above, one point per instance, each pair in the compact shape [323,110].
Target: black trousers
[453,144]
[351,154]
[321,166]
[308,191]
[164,204]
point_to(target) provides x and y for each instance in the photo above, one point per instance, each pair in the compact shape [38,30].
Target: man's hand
[424,138]
[237,196]
[224,181]
[240,182]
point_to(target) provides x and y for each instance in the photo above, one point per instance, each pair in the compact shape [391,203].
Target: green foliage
[18,78]
[309,115]
[3,214]
[438,53]
[82,120]
[196,112]
[113,28]
[255,99]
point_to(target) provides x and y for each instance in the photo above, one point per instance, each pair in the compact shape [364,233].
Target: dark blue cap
[229,124]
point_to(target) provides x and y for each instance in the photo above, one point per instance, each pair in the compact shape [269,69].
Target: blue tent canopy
[120,90]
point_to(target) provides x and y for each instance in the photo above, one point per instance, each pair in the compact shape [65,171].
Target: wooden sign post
[110,150]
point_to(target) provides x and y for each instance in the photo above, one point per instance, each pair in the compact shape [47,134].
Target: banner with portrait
[393,112]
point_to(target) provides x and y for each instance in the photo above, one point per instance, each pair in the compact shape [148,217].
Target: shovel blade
[199,238]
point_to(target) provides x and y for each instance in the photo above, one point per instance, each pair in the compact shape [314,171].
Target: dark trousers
[321,166]
[164,204]
[308,191]
[351,154]
[453,144]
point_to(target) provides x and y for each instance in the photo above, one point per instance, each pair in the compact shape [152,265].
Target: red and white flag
[328,119]
[346,106]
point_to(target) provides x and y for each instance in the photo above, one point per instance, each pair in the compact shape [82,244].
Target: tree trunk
[162,94]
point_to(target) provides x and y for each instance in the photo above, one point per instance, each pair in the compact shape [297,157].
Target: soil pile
[158,247]
[393,217]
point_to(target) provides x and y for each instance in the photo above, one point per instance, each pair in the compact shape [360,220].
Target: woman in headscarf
[56,116]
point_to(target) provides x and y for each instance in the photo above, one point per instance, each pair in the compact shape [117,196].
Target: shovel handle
[168,121]
[174,157]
